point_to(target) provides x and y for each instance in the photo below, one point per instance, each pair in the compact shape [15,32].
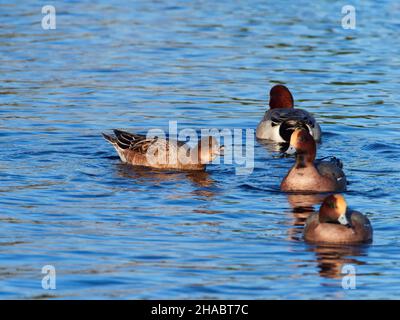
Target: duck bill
[290,150]
[344,221]
[221,151]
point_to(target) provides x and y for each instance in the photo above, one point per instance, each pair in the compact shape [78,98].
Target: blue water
[114,231]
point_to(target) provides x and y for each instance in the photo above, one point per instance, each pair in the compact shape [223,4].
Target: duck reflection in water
[274,147]
[332,258]
[302,206]
[201,180]
[144,174]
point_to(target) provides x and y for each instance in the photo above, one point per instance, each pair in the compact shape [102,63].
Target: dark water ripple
[113,231]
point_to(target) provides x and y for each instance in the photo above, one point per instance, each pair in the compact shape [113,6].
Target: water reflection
[331,258]
[302,206]
[200,178]
[297,200]
[154,176]
[273,147]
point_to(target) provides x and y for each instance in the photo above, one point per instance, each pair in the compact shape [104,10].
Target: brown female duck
[162,153]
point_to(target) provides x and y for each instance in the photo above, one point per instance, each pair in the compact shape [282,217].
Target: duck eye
[331,205]
[305,138]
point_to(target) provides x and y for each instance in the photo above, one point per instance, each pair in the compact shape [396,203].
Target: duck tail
[288,126]
[109,138]
[333,160]
[337,162]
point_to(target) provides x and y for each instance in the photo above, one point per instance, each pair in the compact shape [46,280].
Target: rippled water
[113,231]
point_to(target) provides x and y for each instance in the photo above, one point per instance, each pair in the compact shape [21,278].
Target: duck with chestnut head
[282,118]
[308,175]
[336,223]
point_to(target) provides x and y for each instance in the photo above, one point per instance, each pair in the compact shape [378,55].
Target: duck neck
[304,160]
[196,155]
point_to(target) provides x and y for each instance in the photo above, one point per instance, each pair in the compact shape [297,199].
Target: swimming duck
[160,153]
[281,119]
[310,175]
[335,223]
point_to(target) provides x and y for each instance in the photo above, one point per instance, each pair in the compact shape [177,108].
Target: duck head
[333,210]
[209,149]
[303,145]
[280,97]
